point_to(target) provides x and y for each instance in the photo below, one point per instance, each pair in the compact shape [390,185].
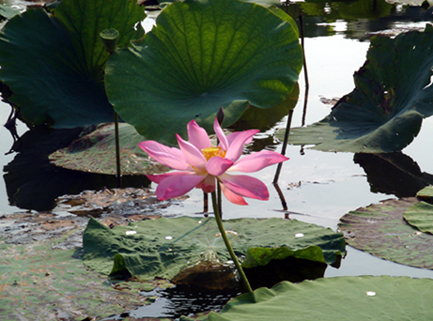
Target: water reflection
[33,183]
[393,173]
[184,300]
[361,18]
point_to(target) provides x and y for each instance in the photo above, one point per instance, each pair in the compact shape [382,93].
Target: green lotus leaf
[420,216]
[163,247]
[203,55]
[385,110]
[95,153]
[380,229]
[264,119]
[328,299]
[54,64]
[260,256]
[426,194]
[38,282]
[269,266]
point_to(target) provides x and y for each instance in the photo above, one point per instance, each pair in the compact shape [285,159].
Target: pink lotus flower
[200,165]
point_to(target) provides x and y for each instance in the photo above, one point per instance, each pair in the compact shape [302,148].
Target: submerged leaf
[200,56]
[328,299]
[385,110]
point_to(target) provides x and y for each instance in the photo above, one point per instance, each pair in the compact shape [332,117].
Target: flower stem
[228,245]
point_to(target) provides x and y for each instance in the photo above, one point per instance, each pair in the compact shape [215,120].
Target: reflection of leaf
[381,230]
[385,110]
[393,173]
[95,153]
[33,183]
[200,56]
[54,64]
[163,247]
[328,299]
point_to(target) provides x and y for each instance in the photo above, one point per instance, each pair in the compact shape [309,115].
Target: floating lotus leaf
[380,229]
[38,283]
[385,110]
[328,299]
[95,152]
[200,56]
[426,194]
[54,64]
[420,216]
[163,247]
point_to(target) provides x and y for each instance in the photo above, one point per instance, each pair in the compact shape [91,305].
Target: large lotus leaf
[420,216]
[54,65]
[85,20]
[163,247]
[200,56]
[385,110]
[95,152]
[381,230]
[343,298]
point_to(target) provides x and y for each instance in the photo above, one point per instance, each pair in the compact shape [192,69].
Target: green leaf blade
[385,110]
[203,55]
[328,299]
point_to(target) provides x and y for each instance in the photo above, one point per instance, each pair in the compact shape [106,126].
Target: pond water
[318,187]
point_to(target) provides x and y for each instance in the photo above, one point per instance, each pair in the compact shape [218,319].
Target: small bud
[220,116]
[109,38]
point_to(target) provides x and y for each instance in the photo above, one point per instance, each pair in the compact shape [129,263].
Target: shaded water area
[318,187]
